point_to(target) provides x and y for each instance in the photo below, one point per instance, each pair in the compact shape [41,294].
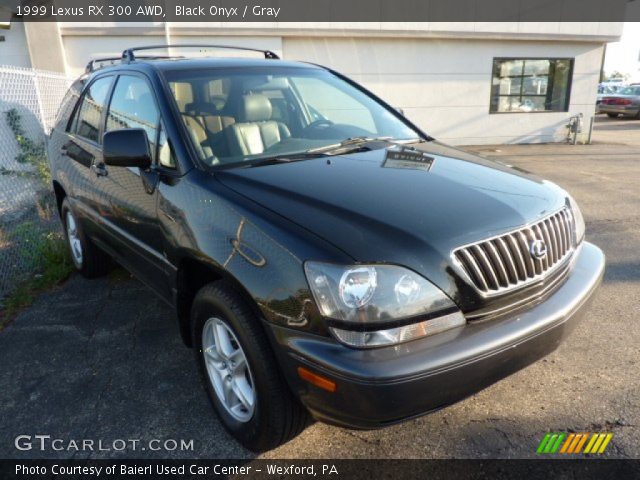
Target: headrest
[194,108]
[254,108]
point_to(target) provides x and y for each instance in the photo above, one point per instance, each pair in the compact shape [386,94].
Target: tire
[274,416]
[612,115]
[88,259]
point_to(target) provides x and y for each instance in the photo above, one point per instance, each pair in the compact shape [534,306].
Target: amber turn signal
[317,380]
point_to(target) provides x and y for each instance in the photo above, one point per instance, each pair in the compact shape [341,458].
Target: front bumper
[382,386]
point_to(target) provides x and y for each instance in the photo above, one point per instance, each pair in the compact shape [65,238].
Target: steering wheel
[317,123]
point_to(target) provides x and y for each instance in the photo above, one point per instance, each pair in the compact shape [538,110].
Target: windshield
[629,91]
[243,115]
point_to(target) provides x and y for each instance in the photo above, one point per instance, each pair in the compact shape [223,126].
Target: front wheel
[240,372]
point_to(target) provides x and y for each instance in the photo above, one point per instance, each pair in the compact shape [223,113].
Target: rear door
[79,149]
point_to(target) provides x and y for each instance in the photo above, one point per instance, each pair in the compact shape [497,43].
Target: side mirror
[127,148]
[400,111]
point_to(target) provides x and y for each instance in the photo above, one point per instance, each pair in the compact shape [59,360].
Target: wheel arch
[192,275]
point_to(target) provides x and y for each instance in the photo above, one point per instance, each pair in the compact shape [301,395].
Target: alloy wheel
[228,369]
[74,239]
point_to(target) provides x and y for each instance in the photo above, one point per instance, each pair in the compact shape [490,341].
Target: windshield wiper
[349,145]
[276,159]
[353,144]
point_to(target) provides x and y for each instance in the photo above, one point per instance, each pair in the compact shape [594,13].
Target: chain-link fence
[29,100]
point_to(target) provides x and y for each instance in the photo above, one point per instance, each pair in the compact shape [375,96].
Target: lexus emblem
[538,249]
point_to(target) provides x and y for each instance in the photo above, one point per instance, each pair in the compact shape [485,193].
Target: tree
[616,75]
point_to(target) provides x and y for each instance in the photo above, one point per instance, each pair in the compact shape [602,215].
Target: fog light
[393,336]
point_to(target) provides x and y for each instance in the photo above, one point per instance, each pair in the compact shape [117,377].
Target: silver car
[625,101]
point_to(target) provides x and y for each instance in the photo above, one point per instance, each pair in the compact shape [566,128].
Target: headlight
[376,305]
[578,220]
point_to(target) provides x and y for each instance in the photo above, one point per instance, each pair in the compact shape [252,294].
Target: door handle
[99,169]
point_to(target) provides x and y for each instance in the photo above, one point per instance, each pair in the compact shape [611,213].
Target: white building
[463,83]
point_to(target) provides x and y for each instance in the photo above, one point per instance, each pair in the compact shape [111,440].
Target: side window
[87,121]
[165,153]
[133,106]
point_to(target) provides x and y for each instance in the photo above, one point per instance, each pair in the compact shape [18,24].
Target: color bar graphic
[559,442]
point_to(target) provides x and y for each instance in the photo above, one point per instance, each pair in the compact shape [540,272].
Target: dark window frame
[521,95]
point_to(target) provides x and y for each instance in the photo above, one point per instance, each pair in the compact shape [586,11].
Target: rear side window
[133,106]
[87,121]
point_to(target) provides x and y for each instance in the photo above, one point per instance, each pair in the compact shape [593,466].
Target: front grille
[505,262]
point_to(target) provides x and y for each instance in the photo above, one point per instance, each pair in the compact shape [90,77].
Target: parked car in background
[325,257]
[626,102]
[605,90]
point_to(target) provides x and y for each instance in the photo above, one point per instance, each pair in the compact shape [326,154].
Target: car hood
[383,211]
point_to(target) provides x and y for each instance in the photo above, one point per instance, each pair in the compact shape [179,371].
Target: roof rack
[91,66]
[128,54]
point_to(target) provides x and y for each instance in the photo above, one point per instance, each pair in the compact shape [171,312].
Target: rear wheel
[88,259]
[240,372]
[612,115]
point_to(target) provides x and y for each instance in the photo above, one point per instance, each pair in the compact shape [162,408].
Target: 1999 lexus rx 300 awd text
[325,257]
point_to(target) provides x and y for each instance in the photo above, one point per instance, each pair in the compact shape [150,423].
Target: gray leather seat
[254,131]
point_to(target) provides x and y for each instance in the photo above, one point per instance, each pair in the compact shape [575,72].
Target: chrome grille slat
[504,262]
[568,226]
[554,241]
[561,240]
[520,265]
[485,265]
[497,261]
[475,270]
[504,251]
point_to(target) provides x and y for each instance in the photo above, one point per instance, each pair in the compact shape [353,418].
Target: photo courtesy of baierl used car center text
[285,239]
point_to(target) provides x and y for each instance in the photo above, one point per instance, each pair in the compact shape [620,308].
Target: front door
[128,196]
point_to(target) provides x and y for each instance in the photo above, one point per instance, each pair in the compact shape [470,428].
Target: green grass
[53,265]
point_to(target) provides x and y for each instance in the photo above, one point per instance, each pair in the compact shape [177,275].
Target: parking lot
[103,359]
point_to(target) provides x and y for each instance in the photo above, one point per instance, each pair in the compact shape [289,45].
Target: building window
[531,85]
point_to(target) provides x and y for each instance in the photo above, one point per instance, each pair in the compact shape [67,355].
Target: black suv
[325,257]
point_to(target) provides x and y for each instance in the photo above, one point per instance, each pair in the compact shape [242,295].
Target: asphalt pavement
[103,360]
